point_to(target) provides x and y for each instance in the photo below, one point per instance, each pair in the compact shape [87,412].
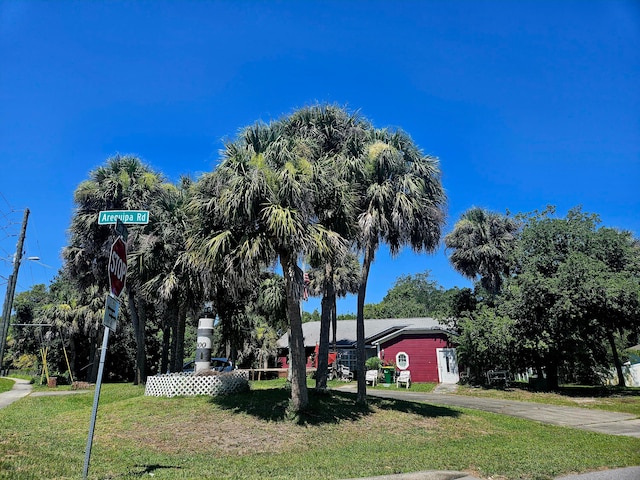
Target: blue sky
[525,103]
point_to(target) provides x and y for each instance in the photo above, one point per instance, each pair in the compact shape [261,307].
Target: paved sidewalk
[593,420]
[20,389]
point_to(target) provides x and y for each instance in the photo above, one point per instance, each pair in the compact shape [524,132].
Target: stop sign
[117,266]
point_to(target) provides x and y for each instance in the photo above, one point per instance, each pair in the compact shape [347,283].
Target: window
[348,359]
[402,360]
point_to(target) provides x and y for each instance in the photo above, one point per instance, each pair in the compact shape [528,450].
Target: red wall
[421,349]
[282,361]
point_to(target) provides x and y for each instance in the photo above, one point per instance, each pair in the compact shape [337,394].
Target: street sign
[131,217]
[111,309]
[117,266]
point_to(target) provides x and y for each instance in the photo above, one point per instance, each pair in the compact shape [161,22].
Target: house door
[447,365]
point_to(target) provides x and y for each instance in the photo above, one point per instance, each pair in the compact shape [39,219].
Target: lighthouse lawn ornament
[205,336]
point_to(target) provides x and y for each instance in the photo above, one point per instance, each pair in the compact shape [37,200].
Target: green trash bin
[387,372]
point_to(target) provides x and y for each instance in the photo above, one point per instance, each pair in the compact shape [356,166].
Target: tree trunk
[172,320]
[94,359]
[166,345]
[328,299]
[299,394]
[289,374]
[551,368]
[616,359]
[181,323]
[71,352]
[142,316]
[138,329]
[334,323]
[360,347]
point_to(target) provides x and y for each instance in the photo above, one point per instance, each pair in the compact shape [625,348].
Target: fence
[188,384]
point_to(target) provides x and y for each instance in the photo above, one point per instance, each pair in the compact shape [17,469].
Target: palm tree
[124,183]
[271,301]
[331,280]
[228,282]
[335,136]
[265,315]
[78,315]
[482,243]
[266,187]
[163,271]
[346,280]
[401,202]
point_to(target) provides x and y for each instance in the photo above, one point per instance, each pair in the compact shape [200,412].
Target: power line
[10,230]
[6,201]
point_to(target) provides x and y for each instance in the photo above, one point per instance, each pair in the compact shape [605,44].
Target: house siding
[421,349]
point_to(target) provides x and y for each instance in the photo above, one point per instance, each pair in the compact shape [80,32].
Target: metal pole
[11,287]
[96,399]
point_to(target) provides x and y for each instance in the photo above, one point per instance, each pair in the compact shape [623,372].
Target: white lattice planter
[188,384]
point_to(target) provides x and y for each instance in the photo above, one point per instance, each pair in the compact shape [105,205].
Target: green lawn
[415,387]
[6,384]
[250,436]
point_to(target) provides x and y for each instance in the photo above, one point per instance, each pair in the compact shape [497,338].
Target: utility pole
[11,288]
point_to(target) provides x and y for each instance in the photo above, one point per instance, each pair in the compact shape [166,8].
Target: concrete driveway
[594,420]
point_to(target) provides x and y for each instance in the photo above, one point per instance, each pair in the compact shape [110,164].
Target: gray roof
[373,330]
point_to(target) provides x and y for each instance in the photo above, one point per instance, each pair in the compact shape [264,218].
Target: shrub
[373,363]
[27,362]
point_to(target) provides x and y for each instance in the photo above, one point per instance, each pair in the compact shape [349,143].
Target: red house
[420,345]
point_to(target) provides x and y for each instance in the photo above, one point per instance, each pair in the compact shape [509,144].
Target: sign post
[121,230]
[117,279]
[96,399]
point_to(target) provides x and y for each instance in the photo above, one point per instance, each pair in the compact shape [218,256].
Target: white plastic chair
[345,373]
[371,376]
[404,378]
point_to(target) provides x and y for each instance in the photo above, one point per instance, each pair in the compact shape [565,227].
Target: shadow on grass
[324,408]
[151,469]
[598,391]
[415,408]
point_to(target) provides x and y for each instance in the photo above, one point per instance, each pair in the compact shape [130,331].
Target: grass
[250,436]
[625,400]
[415,387]
[24,375]
[281,382]
[6,384]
